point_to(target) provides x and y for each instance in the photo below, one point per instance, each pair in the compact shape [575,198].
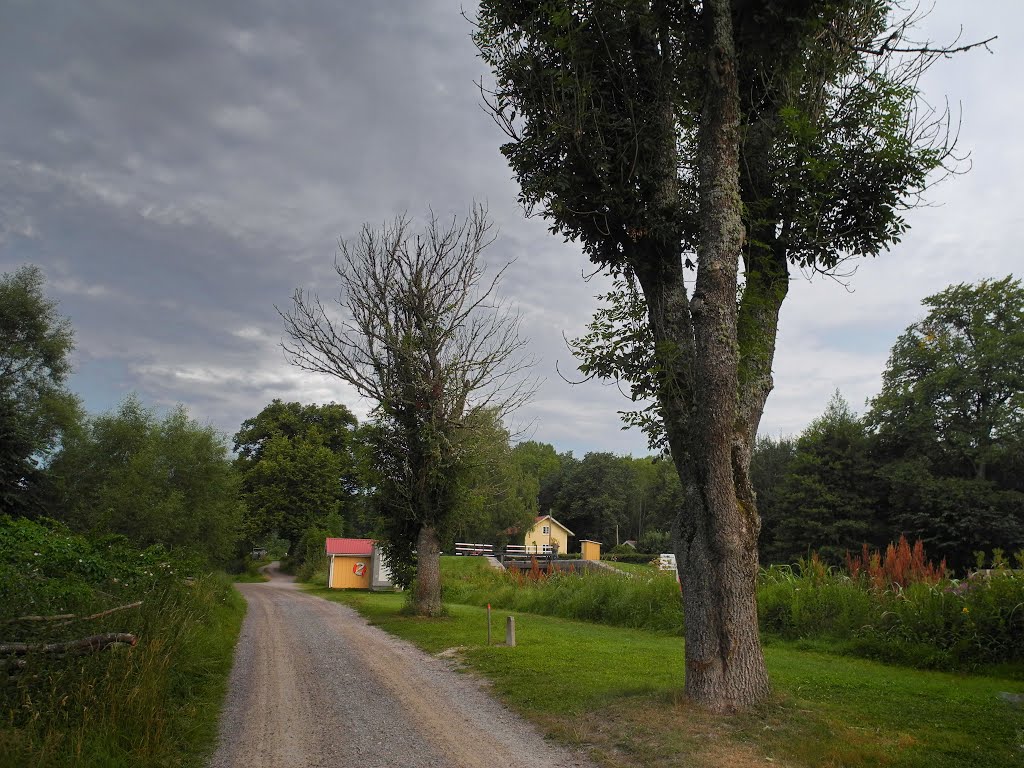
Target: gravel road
[314,685]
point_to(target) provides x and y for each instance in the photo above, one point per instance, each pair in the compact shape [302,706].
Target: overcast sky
[178,168]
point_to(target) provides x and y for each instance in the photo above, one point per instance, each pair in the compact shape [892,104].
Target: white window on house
[546,530]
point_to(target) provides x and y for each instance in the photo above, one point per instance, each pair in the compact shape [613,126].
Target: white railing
[462,548]
[530,549]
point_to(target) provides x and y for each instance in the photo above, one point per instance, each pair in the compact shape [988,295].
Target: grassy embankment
[252,573]
[618,692]
[154,704]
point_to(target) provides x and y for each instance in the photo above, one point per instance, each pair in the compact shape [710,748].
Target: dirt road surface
[314,685]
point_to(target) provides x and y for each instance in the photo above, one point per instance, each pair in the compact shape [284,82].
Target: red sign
[359,569]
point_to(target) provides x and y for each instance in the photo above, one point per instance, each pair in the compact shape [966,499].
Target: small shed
[350,563]
[546,531]
[590,550]
[357,564]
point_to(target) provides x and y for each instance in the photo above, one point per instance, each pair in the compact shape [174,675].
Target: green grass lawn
[635,568]
[618,692]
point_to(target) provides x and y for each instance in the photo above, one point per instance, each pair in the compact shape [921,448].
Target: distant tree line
[939,454]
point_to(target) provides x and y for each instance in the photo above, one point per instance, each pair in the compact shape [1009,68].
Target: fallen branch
[39,618]
[102,613]
[84,645]
[70,618]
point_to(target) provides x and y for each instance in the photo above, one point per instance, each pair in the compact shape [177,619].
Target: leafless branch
[417,326]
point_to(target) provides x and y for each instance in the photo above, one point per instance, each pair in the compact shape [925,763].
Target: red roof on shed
[350,546]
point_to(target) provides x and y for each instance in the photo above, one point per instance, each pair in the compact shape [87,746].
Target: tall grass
[640,602]
[152,704]
[945,625]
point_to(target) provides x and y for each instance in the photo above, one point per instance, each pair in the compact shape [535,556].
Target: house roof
[549,517]
[349,546]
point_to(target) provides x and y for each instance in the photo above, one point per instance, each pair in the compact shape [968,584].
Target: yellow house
[546,532]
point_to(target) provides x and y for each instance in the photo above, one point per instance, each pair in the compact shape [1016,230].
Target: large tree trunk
[710,431]
[717,535]
[426,597]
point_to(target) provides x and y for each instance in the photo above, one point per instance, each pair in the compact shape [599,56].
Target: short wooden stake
[488,623]
[510,631]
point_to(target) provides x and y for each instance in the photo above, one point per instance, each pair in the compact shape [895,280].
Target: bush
[152,704]
[827,605]
[655,541]
[945,625]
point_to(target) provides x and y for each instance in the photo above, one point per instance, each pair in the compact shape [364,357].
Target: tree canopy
[949,421]
[827,500]
[671,136]
[154,480]
[953,389]
[299,464]
[35,405]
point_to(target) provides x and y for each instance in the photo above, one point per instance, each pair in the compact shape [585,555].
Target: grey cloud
[179,168]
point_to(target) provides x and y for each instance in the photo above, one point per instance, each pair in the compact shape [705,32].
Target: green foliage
[604,496]
[949,422]
[654,540]
[543,470]
[156,481]
[35,406]
[308,557]
[333,425]
[153,704]
[47,568]
[826,500]
[792,605]
[289,487]
[953,390]
[963,625]
[950,625]
[495,492]
[299,464]
[634,557]
[769,465]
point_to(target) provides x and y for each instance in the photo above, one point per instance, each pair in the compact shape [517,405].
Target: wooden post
[488,623]
[510,631]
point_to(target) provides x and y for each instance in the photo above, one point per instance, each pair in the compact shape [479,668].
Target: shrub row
[637,558]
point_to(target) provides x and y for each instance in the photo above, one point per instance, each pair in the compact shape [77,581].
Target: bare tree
[418,329]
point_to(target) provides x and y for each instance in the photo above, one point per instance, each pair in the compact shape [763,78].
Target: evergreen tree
[826,501]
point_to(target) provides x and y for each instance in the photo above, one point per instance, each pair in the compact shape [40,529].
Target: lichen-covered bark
[698,349]
[426,597]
